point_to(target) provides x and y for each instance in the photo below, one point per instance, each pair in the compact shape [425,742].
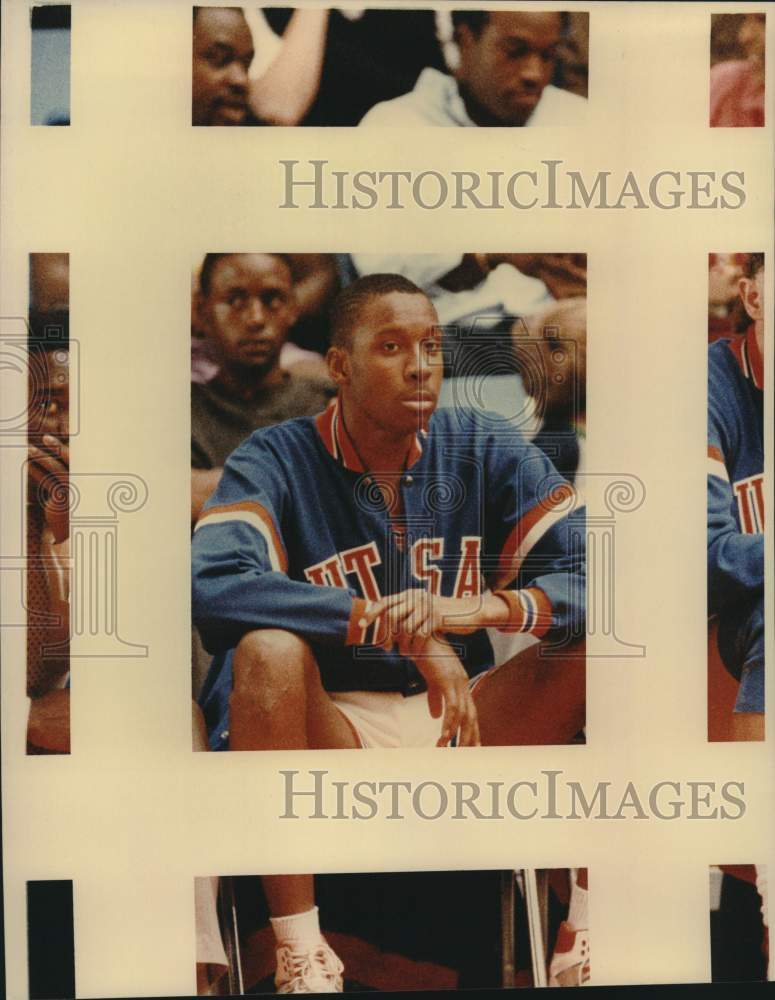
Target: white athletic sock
[577,910]
[298,929]
[761,886]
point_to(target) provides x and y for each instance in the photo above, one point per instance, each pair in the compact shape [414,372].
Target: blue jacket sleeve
[239,571]
[735,559]
[540,535]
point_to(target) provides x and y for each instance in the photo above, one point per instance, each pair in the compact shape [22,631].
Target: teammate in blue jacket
[347,567]
[736,503]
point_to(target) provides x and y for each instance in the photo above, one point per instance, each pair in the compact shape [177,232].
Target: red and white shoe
[308,970]
[570,962]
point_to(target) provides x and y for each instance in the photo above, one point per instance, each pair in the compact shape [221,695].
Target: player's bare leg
[278,703]
[533,699]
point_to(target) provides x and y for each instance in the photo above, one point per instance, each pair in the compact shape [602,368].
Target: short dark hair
[753,265]
[349,303]
[210,263]
[474,20]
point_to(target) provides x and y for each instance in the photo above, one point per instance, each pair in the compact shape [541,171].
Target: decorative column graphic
[94,630]
[620,494]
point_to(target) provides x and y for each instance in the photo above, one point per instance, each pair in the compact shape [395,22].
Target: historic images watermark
[547,795]
[549,185]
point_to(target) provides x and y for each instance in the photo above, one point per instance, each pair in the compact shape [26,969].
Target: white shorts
[384,719]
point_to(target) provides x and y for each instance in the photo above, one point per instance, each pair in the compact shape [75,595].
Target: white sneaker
[308,970]
[570,962]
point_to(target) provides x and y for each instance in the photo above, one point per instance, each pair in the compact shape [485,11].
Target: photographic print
[468,341]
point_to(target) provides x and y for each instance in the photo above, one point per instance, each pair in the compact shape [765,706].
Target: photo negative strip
[388,543]
[736,496]
[381,931]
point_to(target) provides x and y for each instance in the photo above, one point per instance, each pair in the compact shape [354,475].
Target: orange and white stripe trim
[338,443]
[259,518]
[746,351]
[529,530]
[531,611]
[716,464]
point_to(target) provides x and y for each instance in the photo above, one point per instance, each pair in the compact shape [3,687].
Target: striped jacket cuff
[531,611]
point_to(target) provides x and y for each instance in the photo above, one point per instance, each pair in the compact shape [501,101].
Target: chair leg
[227,913]
[535,928]
[508,927]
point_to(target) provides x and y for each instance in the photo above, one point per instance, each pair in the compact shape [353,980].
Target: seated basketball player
[347,566]
[736,503]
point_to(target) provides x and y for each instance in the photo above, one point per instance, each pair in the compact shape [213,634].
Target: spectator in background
[477,293]
[315,283]
[505,62]
[737,85]
[246,306]
[285,76]
[464,286]
[48,523]
[558,385]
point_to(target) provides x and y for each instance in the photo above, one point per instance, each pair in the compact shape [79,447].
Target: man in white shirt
[506,60]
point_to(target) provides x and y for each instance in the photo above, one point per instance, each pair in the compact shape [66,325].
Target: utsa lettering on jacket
[297,537]
[736,510]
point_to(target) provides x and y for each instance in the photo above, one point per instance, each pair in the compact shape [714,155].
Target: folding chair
[227,918]
[535,889]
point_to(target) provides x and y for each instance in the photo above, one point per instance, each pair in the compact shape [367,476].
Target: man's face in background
[248,309]
[505,67]
[222,54]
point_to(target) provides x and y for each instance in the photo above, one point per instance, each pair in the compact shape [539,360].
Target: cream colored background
[134,194]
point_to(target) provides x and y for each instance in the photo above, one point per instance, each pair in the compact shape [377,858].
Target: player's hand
[411,617]
[448,693]
[49,474]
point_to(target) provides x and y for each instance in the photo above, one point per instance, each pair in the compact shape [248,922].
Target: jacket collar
[749,357]
[338,443]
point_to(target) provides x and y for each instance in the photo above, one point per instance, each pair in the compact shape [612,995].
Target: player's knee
[270,665]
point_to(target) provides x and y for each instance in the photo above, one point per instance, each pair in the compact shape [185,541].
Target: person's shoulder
[401,110]
[728,73]
[566,97]
[313,387]
[558,107]
[724,374]
[202,399]
[295,430]
[480,427]
[423,105]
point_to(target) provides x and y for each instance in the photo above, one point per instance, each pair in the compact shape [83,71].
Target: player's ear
[338,363]
[750,293]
